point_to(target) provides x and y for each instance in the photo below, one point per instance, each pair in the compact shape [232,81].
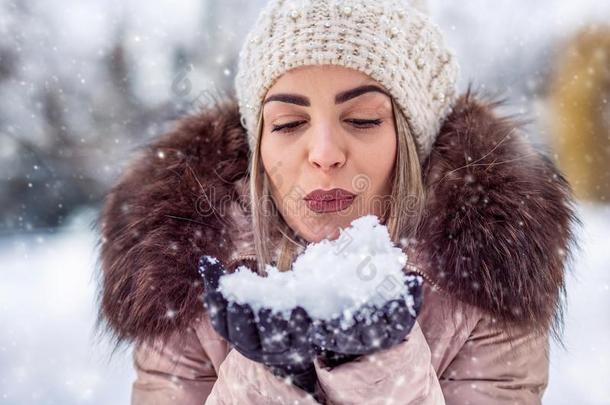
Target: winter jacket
[495,237]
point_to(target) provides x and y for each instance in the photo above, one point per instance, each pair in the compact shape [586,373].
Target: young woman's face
[328,127]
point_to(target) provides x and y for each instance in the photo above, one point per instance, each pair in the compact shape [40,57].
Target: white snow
[330,277]
[580,372]
[49,353]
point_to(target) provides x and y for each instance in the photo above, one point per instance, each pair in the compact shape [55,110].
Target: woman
[359,97]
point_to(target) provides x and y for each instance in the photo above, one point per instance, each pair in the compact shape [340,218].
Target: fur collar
[496,233]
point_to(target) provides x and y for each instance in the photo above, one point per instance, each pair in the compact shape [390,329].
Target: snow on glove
[372,328]
[280,344]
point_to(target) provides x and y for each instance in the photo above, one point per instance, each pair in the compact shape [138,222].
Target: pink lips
[333,200]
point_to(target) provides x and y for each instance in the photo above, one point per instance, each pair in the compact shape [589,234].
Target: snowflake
[212,309]
[296,358]
[278,337]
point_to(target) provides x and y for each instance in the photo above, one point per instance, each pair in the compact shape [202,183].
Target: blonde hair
[405,210]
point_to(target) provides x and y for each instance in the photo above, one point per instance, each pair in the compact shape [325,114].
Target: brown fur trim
[497,229]
[168,209]
[496,233]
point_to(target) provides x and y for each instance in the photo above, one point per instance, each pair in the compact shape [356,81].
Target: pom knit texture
[392,42]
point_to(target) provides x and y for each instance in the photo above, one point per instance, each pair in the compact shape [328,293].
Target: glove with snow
[369,329]
[280,344]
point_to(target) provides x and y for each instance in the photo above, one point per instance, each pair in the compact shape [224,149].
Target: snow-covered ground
[48,353]
[580,374]
[48,350]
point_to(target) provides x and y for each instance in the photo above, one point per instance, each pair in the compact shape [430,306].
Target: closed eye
[358,123]
[363,124]
[287,127]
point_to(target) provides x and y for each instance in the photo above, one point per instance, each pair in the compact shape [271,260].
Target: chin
[315,232]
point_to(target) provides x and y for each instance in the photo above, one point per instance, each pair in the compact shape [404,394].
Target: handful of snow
[330,278]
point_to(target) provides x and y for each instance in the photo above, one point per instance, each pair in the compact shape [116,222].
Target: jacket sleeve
[181,371]
[243,381]
[402,374]
[198,367]
[495,367]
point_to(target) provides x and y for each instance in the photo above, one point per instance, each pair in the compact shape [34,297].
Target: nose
[327,150]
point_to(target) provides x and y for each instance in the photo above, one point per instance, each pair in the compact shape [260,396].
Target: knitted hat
[389,40]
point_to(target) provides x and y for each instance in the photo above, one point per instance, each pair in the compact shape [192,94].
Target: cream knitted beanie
[389,40]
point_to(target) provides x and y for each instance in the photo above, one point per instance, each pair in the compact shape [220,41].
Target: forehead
[320,76]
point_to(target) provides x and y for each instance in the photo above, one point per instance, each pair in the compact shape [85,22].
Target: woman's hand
[280,344]
[371,329]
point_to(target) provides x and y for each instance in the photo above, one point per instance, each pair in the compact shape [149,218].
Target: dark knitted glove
[388,326]
[281,345]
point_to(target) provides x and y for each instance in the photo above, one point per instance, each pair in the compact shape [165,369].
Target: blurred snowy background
[84,83]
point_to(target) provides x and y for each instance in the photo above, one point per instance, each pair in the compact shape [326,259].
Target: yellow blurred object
[580,111]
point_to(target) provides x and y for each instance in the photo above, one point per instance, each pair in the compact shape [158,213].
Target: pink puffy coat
[496,234]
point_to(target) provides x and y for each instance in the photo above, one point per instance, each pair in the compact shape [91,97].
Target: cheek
[278,164]
[271,163]
[377,161]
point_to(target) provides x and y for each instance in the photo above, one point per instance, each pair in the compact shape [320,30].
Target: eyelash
[360,124]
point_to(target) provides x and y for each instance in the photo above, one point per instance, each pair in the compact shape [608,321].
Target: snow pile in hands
[330,277]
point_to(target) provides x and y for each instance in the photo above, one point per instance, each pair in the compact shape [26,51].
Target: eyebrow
[339,98]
